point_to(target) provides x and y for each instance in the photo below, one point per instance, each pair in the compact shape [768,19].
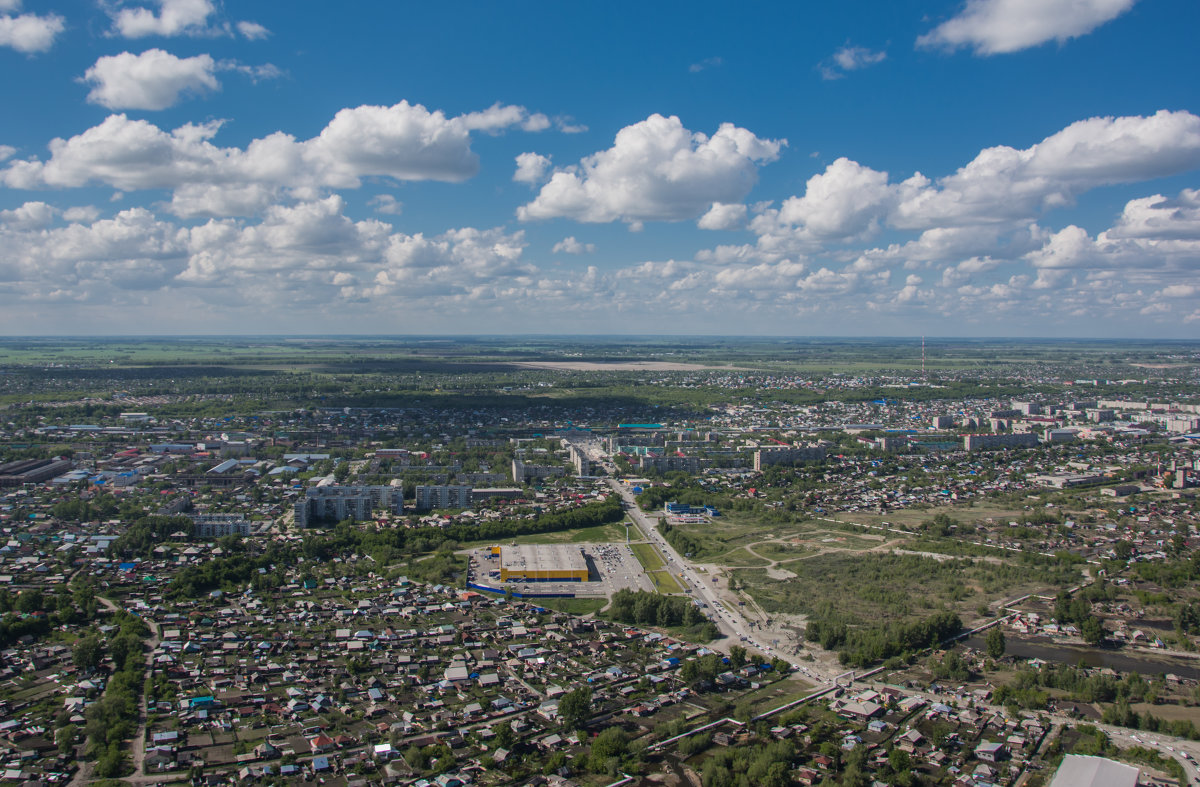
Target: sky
[882,168]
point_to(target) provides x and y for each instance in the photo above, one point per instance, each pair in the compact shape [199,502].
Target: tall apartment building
[218,525]
[1027,408]
[523,473]
[442,496]
[669,464]
[765,457]
[580,461]
[335,503]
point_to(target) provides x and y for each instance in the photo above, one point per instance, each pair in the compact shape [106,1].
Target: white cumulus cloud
[30,33]
[404,141]
[656,170]
[153,79]
[1159,217]
[569,245]
[994,27]
[531,168]
[31,215]
[174,18]
[723,216]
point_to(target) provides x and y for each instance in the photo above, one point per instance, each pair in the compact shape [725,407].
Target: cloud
[849,58]
[994,27]
[1158,217]
[174,18]
[256,73]
[569,245]
[655,170]
[1180,291]
[1005,184]
[498,117]
[847,200]
[723,216]
[1153,235]
[30,33]
[706,63]
[253,30]
[81,213]
[133,250]
[386,203]
[531,168]
[404,142]
[31,215]
[153,79]
[209,200]
[567,125]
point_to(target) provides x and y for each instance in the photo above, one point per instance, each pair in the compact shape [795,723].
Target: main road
[730,622]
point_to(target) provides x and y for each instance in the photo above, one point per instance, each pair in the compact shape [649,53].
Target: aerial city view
[600,395]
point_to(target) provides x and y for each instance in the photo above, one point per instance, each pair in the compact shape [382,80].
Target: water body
[1149,665]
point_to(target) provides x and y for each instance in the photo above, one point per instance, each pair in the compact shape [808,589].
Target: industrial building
[542,563]
[978,442]
[1078,770]
[32,471]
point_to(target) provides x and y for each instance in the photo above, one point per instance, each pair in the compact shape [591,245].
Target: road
[731,623]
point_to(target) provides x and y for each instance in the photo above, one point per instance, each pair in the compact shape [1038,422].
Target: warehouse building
[542,563]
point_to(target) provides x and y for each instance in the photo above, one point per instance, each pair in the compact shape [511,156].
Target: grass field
[664,581]
[600,534]
[571,606]
[913,517]
[877,587]
[773,696]
[724,540]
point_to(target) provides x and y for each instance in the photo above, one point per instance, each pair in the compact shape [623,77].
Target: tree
[87,652]
[65,738]
[1092,630]
[610,744]
[995,642]
[30,601]
[737,657]
[575,707]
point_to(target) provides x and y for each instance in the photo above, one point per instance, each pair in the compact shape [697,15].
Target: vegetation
[113,717]
[640,608]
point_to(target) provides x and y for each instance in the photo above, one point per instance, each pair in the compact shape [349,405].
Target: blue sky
[988,167]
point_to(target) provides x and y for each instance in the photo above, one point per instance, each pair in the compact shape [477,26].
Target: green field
[664,581]
[879,586]
[600,534]
[774,695]
[571,606]
[725,540]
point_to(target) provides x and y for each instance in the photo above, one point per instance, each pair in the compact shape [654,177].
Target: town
[651,565]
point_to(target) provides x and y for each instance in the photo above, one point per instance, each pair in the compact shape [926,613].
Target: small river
[1148,664]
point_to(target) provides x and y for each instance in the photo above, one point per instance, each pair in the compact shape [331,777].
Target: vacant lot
[878,586]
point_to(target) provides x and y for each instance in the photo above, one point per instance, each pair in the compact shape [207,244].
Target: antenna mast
[922,357]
